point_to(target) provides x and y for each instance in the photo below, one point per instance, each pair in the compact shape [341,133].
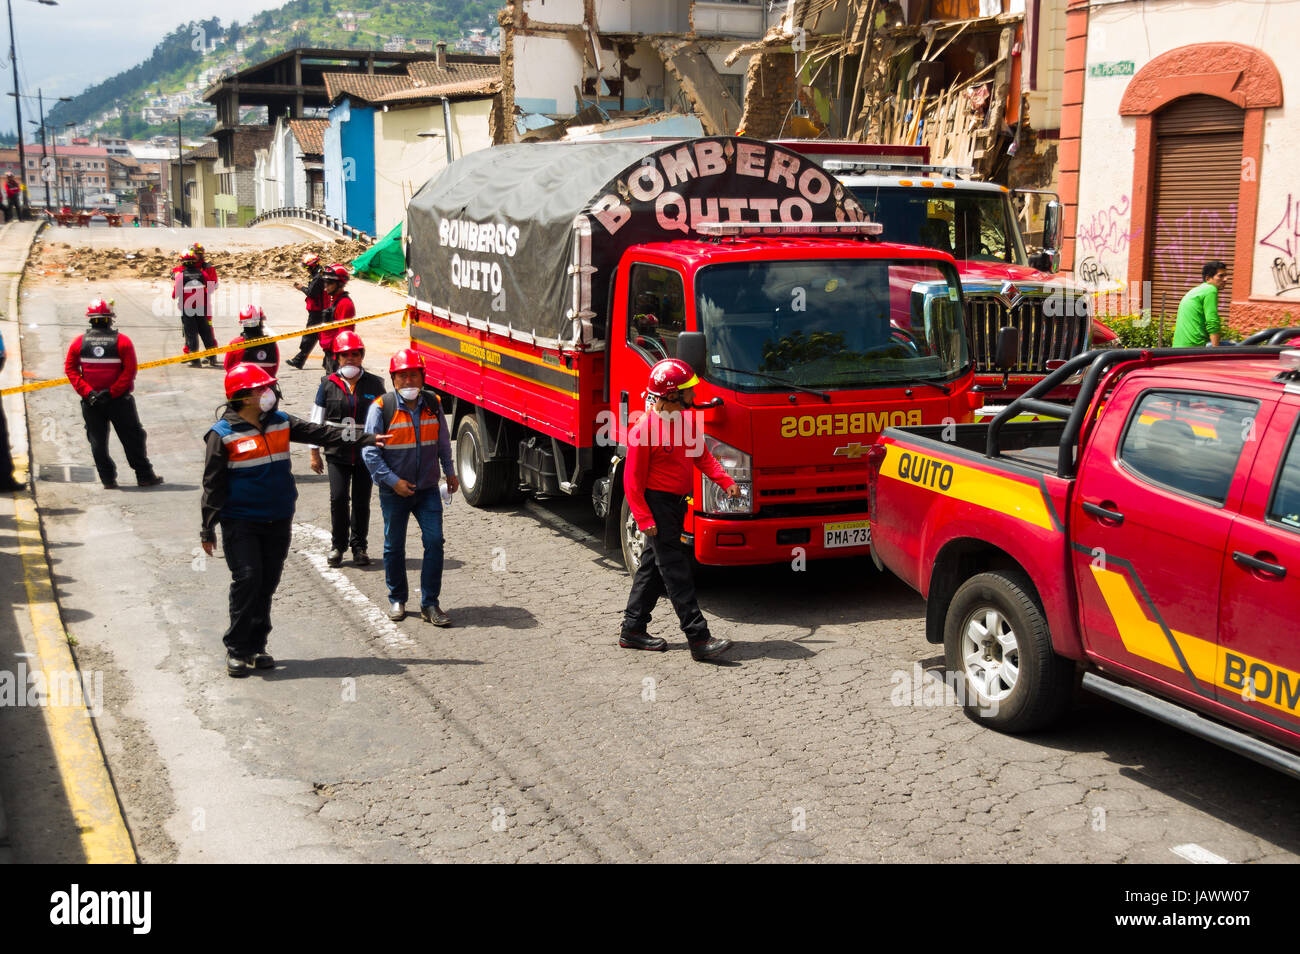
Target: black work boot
[295,362]
[335,557]
[360,557]
[654,644]
[709,648]
[263,660]
[238,666]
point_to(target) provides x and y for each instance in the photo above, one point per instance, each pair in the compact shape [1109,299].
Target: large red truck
[1005,284]
[1147,542]
[546,279]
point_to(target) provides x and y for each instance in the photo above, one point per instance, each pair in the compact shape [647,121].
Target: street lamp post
[45,168]
[18,103]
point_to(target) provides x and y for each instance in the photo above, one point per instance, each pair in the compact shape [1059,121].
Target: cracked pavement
[524,733]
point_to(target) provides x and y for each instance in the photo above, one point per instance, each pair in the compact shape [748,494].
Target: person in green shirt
[1198,313]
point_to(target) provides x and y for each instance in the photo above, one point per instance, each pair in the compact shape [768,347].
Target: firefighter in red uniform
[252,326]
[248,488]
[316,300]
[101,367]
[341,308]
[193,288]
[344,398]
[657,479]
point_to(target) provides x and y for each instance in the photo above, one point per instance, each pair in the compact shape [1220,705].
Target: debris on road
[95,264]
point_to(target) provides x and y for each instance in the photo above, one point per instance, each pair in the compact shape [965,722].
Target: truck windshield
[974,226]
[835,323]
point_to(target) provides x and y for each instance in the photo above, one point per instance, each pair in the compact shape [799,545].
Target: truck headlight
[740,468]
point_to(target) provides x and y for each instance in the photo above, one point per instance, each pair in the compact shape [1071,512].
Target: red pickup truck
[1148,539]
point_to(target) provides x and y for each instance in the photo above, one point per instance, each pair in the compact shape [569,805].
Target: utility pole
[40,98]
[18,102]
[180,159]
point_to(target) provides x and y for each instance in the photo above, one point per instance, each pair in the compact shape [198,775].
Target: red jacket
[340,309]
[12,188]
[270,364]
[657,459]
[210,286]
[117,379]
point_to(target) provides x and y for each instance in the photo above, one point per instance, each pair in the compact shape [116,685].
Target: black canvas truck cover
[525,237]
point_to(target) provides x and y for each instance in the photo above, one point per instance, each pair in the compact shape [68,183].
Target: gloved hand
[97,398]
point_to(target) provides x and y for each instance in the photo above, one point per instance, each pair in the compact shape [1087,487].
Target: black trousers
[6,455]
[255,552]
[349,481]
[309,341]
[665,571]
[196,328]
[120,412]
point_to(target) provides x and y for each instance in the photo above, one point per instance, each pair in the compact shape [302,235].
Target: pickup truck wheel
[634,541]
[997,641]
[482,482]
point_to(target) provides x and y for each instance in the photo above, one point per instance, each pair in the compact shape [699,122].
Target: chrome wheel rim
[990,653]
[467,461]
[634,538]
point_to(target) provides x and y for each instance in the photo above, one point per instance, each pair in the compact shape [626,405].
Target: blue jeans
[397,510]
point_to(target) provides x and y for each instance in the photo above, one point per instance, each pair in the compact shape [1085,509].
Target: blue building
[350,164]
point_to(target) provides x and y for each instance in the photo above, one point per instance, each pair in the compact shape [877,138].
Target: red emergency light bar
[720,229]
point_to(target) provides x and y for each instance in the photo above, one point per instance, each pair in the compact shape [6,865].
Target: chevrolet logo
[851,451]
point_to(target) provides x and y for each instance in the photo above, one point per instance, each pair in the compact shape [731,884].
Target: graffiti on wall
[1186,242]
[1104,238]
[1284,240]
[1107,230]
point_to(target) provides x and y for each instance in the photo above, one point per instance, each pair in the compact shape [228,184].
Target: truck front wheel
[997,644]
[634,541]
[482,482]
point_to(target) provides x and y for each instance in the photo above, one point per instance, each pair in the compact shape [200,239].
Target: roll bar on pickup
[1097,364]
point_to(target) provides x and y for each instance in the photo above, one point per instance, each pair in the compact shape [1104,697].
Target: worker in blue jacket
[249,488]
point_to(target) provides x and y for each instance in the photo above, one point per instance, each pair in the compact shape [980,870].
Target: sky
[64,49]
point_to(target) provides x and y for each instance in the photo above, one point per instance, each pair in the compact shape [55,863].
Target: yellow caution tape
[199,355]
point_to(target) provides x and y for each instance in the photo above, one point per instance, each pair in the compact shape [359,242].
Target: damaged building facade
[601,61]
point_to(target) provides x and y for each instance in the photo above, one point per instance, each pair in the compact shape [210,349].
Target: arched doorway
[1195,195]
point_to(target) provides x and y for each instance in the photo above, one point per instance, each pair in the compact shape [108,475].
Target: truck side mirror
[1052,221]
[1007,352]
[692,349]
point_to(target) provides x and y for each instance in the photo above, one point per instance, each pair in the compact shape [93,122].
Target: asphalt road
[524,733]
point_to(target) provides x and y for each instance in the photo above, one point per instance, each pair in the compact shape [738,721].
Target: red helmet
[309,259]
[338,273]
[348,341]
[406,360]
[99,308]
[246,377]
[188,256]
[670,376]
[251,317]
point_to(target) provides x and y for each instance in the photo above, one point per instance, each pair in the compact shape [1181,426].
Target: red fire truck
[546,279]
[1144,542]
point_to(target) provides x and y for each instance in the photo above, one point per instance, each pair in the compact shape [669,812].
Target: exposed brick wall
[770,89]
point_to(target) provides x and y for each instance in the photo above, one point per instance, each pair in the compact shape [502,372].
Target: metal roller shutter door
[1197,181]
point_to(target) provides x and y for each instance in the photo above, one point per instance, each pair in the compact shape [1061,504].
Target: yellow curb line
[86,782]
[199,355]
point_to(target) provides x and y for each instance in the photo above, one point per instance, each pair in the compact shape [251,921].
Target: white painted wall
[405,160]
[546,70]
[554,11]
[1140,32]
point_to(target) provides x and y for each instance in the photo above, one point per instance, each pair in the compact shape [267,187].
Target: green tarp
[384,259]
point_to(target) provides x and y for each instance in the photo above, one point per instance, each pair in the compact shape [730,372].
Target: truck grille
[1042,338]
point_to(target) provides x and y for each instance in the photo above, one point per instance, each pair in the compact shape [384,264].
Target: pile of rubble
[94,264]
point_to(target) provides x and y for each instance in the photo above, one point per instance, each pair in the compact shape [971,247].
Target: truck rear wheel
[634,541]
[482,482]
[997,643]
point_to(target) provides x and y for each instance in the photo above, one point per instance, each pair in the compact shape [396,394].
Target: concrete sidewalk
[57,800]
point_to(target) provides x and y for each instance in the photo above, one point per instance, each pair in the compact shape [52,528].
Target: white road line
[1198,855]
[160,394]
[310,541]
